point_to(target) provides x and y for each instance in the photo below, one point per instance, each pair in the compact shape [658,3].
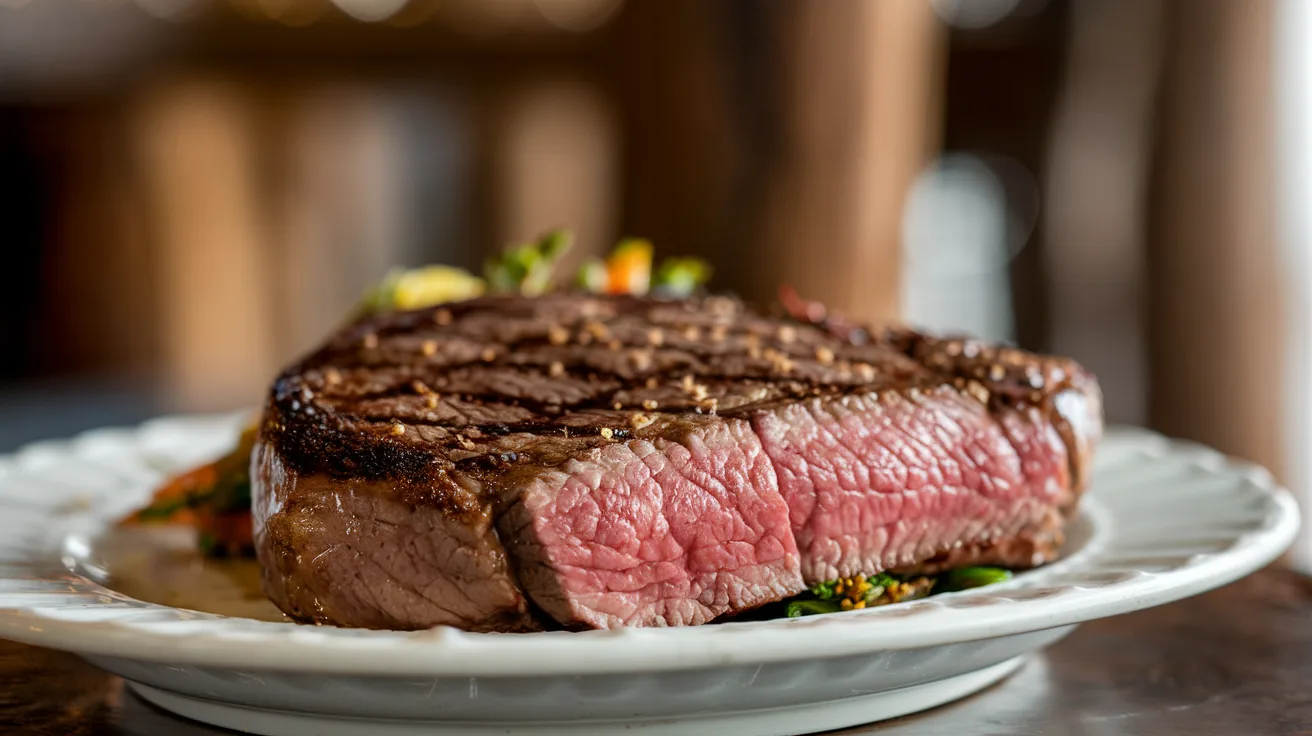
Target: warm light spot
[964,219]
[169,9]
[370,11]
[578,16]
[973,14]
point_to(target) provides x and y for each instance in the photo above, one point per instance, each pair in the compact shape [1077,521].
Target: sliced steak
[884,481]
[362,554]
[668,531]
[648,531]
[511,463]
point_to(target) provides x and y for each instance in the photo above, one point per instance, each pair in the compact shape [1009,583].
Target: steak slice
[356,552]
[669,531]
[512,463]
[675,525]
[887,481]
[951,467]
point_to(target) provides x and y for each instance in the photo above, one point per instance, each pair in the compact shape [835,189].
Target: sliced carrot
[628,269]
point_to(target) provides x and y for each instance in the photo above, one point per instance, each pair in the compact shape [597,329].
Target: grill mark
[792,388]
[930,363]
[589,372]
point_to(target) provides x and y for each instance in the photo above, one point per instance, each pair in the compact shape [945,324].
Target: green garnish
[527,269]
[232,493]
[806,608]
[592,276]
[824,590]
[680,277]
[964,578]
[882,580]
[881,589]
[166,508]
[208,544]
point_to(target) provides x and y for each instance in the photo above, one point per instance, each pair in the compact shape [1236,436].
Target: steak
[513,464]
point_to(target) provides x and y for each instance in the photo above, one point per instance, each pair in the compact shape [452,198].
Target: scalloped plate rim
[184,637]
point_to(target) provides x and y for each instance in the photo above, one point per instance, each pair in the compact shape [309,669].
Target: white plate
[1162,521]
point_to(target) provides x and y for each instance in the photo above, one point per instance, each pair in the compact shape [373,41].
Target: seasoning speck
[557,335]
[556,369]
[638,421]
[398,429]
[596,329]
[429,347]
[977,389]
[650,404]
[489,355]
[781,362]
[430,401]
[607,432]
[655,336]
[997,372]
[787,333]
[824,355]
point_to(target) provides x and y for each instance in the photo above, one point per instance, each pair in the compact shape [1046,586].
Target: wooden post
[207,228]
[860,89]
[780,141]
[1216,326]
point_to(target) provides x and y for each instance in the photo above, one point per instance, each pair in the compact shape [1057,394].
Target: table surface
[1234,661]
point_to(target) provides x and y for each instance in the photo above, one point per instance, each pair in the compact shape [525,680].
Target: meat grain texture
[576,461]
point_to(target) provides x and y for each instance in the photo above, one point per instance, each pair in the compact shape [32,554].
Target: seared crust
[413,396]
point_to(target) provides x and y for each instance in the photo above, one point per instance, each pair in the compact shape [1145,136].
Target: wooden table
[1234,662]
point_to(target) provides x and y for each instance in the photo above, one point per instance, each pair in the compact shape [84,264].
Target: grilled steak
[512,463]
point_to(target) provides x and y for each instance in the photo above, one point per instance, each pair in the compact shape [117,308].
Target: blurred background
[193,192]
